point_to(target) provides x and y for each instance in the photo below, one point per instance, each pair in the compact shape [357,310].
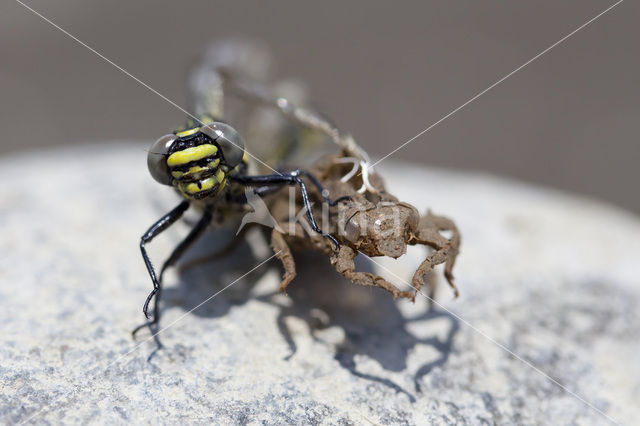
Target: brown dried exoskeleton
[371,221]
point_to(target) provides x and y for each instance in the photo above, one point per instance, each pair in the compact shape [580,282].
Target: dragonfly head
[196,160]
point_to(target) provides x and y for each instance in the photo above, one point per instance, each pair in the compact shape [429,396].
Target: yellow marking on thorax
[193,188]
[196,169]
[220,175]
[205,119]
[187,132]
[222,184]
[194,153]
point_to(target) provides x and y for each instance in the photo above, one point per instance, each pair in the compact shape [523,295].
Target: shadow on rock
[373,325]
[202,282]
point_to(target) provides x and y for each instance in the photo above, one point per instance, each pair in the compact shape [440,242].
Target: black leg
[177,253]
[193,236]
[323,192]
[293,178]
[156,229]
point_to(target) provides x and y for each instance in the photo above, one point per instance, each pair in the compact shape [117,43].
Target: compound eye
[229,141]
[157,159]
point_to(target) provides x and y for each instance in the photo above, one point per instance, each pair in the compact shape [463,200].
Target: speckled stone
[551,277]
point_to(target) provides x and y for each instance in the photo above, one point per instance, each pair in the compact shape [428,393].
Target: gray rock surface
[551,277]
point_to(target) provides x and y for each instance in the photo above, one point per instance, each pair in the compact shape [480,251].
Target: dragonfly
[209,166]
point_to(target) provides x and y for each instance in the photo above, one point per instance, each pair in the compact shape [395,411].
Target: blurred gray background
[382,70]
